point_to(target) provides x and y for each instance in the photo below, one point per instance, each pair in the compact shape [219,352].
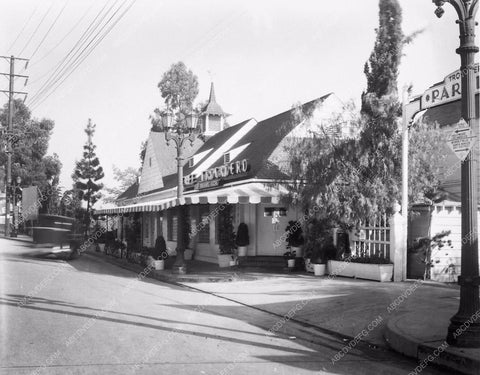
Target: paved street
[90,317]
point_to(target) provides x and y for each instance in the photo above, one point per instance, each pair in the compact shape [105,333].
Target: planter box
[224,260]
[339,268]
[376,272]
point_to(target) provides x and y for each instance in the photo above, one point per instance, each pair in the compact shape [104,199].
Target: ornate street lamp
[14,206]
[179,128]
[464,329]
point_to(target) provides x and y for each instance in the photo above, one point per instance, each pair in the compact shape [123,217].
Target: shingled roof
[130,193]
[212,107]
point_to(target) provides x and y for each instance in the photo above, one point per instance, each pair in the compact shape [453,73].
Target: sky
[262,55]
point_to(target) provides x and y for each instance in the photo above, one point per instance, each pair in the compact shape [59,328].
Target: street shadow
[35,304]
[313,354]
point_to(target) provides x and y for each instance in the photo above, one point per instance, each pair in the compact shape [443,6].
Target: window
[274,211]
[172,226]
[226,158]
[203,227]
[191,163]
[150,162]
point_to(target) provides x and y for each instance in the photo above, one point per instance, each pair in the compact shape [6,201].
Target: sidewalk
[415,326]
[198,272]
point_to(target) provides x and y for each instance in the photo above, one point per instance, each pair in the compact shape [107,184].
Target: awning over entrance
[252,193]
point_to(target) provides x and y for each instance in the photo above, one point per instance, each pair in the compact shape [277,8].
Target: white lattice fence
[372,239]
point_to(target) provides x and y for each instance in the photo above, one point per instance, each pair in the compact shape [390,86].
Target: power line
[89,52]
[75,48]
[40,23]
[23,28]
[49,29]
[60,42]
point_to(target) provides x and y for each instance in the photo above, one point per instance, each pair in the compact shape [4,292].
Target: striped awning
[253,193]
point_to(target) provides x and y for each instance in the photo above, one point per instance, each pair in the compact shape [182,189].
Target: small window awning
[253,193]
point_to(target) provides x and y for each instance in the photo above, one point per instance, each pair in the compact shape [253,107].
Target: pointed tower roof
[212,107]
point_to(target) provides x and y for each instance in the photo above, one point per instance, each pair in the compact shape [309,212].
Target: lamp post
[14,187]
[179,128]
[464,329]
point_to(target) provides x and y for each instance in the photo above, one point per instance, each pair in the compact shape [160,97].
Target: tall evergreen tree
[88,173]
[381,69]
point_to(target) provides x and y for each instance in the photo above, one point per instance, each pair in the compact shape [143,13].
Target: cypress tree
[88,173]
[381,70]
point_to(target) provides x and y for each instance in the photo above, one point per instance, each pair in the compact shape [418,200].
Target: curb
[175,279]
[452,358]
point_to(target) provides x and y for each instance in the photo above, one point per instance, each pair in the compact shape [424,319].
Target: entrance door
[272,221]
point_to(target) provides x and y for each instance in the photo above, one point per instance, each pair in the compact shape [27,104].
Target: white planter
[188,254]
[159,264]
[339,268]
[101,246]
[298,251]
[233,263]
[376,272]
[291,263]
[319,269]
[242,251]
[224,260]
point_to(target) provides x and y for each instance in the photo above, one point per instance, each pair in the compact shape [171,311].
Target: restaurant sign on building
[214,177]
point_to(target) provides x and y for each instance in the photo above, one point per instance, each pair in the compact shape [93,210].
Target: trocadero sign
[212,177]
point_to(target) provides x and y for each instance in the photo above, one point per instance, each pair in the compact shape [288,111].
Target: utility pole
[9,135]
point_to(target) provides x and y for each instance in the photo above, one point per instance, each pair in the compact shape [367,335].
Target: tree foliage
[179,88]
[88,172]
[353,180]
[124,178]
[30,161]
[381,70]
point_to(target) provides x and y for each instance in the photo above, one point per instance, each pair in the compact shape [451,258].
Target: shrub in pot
[160,249]
[242,239]
[295,237]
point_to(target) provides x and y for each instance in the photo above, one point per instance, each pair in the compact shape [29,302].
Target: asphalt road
[86,316]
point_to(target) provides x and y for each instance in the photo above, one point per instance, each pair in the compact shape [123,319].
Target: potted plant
[421,254]
[242,240]
[160,253]
[318,246]
[295,237]
[226,238]
[289,256]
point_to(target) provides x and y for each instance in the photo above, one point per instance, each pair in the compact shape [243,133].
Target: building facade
[243,167]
